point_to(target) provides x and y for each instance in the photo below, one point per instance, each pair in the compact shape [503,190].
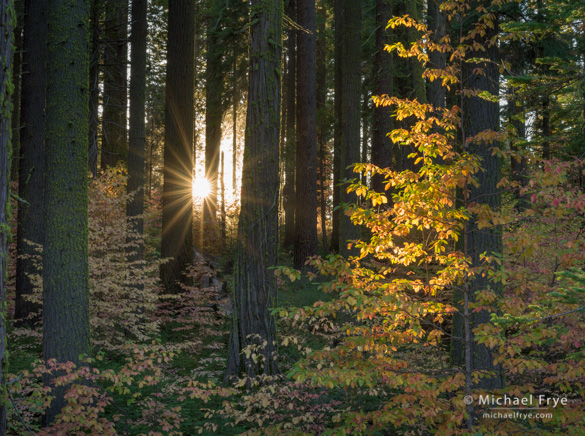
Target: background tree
[137,144]
[115,99]
[383,70]
[337,135]
[65,255]
[94,85]
[289,155]
[480,114]
[254,283]
[177,218]
[6,88]
[350,110]
[32,149]
[306,242]
[214,89]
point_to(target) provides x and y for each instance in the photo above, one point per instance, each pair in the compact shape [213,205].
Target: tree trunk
[32,159]
[213,118]
[288,190]
[383,70]
[235,98]
[545,127]
[480,115]
[65,255]
[114,144]
[322,121]
[436,93]
[350,112]
[6,52]
[222,193]
[337,148]
[137,144]
[254,282]
[17,81]
[177,219]
[306,242]
[94,87]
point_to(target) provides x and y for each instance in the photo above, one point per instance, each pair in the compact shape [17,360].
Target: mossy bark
[137,144]
[7,22]
[32,153]
[254,283]
[65,256]
[16,81]
[306,242]
[177,217]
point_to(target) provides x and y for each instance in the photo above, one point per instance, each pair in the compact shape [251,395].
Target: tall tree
[214,85]
[254,282]
[65,253]
[114,119]
[437,22]
[337,136]
[480,75]
[6,46]
[350,110]
[383,73]
[306,242]
[16,81]
[322,121]
[288,190]
[137,145]
[94,86]
[177,216]
[32,152]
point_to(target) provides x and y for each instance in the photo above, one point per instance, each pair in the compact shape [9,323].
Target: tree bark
[254,283]
[306,242]
[337,136]
[65,256]
[17,82]
[177,219]
[350,112]
[114,142]
[94,87]
[437,22]
[288,190]
[480,115]
[383,70]
[137,144]
[322,121]
[7,19]
[32,160]
[213,118]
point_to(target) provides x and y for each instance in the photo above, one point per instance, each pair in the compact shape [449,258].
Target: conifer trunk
[114,141]
[480,115]
[213,118]
[65,256]
[94,87]
[337,148]
[322,120]
[177,218]
[254,282]
[306,242]
[6,46]
[32,149]
[137,144]
[288,190]
[350,112]
[383,72]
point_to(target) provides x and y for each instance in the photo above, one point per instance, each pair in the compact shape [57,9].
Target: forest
[292,217]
